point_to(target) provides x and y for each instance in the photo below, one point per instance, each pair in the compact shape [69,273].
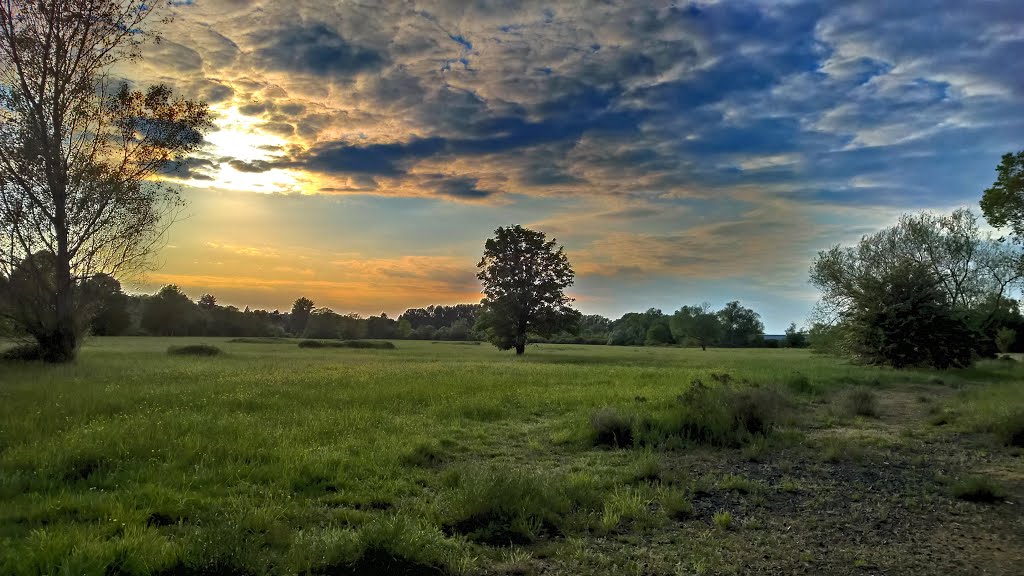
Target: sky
[682,152]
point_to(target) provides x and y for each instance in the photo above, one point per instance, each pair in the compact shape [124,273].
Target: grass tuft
[978,489]
[723,520]
[610,428]
[194,350]
[861,401]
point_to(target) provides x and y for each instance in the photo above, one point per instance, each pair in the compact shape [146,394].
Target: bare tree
[80,157]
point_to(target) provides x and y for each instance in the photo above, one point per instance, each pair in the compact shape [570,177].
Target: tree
[740,326]
[696,324]
[207,302]
[1005,339]
[905,320]
[322,323]
[169,313]
[795,338]
[973,271]
[524,277]
[77,154]
[658,334]
[301,310]
[1003,203]
[110,316]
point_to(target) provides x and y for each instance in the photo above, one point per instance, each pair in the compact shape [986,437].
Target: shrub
[861,401]
[503,505]
[799,384]
[374,344]
[720,416]
[610,428]
[978,489]
[194,350]
[22,353]
[261,340]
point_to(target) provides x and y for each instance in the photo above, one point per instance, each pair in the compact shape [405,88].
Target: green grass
[428,458]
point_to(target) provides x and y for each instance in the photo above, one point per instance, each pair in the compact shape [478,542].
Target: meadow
[453,458]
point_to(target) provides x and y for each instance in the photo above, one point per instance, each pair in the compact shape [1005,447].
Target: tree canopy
[1003,203]
[524,278]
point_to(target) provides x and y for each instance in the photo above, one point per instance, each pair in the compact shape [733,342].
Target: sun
[239,137]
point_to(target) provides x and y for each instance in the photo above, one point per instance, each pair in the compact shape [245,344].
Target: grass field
[445,458]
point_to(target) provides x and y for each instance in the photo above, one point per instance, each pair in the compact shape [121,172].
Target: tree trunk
[62,343]
[520,344]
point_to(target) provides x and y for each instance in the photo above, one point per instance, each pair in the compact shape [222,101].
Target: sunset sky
[682,152]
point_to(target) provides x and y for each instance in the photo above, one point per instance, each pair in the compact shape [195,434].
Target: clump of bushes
[978,489]
[503,505]
[861,401]
[374,344]
[22,353]
[611,428]
[194,350]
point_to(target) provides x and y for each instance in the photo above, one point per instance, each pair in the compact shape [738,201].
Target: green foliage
[1003,203]
[611,428]
[524,277]
[739,326]
[795,338]
[194,350]
[696,324]
[301,311]
[978,489]
[1005,338]
[170,313]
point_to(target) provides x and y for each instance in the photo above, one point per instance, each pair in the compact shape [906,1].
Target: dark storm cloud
[317,49]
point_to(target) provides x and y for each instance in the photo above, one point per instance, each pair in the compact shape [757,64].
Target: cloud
[314,48]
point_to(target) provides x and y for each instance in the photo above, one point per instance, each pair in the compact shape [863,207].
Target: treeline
[170,312]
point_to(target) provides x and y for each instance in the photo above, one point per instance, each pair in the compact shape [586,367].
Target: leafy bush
[610,428]
[374,344]
[22,353]
[194,350]
[861,401]
[978,489]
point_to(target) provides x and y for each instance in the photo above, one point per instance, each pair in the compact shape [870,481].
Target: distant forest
[170,312]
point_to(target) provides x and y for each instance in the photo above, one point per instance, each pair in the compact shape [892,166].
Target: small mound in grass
[22,353]
[194,350]
[371,344]
[261,340]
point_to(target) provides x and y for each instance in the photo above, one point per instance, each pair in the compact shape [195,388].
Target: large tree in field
[740,326]
[524,276]
[697,324]
[1003,203]
[78,155]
